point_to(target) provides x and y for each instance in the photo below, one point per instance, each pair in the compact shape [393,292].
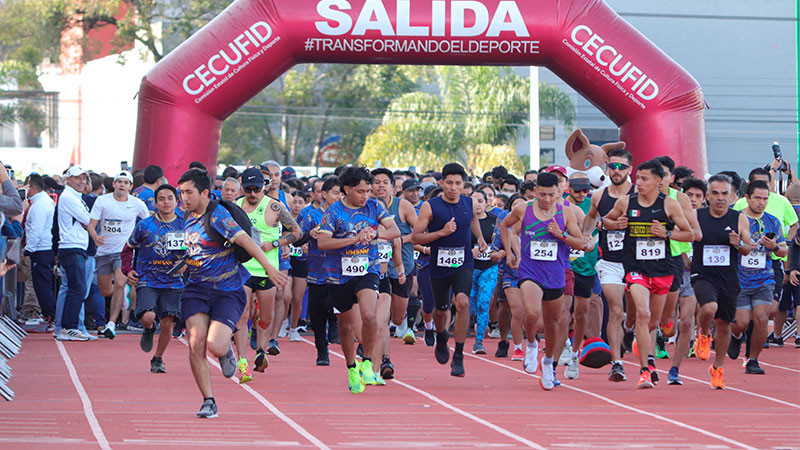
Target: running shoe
[547,380]
[178,333]
[273,347]
[770,339]
[89,336]
[157,365]
[690,353]
[294,335]
[261,362]
[253,338]
[702,346]
[409,338]
[518,355]
[566,353]
[430,338]
[617,373]
[387,368]
[735,346]
[478,348]
[556,383]
[110,331]
[645,382]
[227,363]
[717,377]
[797,341]
[354,381]
[208,410]
[494,333]
[502,350]
[627,340]
[753,368]
[661,346]
[146,341]
[667,329]
[651,364]
[457,365]
[531,362]
[442,352]
[322,358]
[573,371]
[100,331]
[72,334]
[284,328]
[245,376]
[776,341]
[674,377]
[368,374]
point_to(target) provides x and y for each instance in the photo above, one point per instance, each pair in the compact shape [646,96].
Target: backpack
[239,216]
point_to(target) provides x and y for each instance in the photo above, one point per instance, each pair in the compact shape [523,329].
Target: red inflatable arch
[185,97]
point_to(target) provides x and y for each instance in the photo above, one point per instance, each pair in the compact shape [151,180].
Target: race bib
[175,241]
[716,255]
[112,226]
[483,256]
[355,266]
[575,254]
[650,249]
[450,257]
[755,260]
[384,252]
[296,252]
[616,240]
[544,250]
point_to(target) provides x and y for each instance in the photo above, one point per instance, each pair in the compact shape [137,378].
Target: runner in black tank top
[715,275]
[653,220]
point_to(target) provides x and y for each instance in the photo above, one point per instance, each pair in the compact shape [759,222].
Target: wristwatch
[566,235]
[669,234]
[276,243]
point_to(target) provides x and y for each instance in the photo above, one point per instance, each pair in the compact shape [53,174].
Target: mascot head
[589,159]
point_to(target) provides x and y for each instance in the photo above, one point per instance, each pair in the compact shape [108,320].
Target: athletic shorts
[677,277]
[790,297]
[656,285]
[343,296]
[299,267]
[107,264]
[707,292]
[284,263]
[610,272]
[401,290]
[459,282]
[569,285]
[499,290]
[509,277]
[750,298]
[547,294]
[259,283]
[164,302]
[686,285]
[384,286]
[222,306]
[584,285]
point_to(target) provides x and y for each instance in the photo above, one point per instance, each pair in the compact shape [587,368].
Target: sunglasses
[617,166]
[584,191]
[251,190]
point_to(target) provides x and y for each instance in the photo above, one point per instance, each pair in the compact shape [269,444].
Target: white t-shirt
[117,220]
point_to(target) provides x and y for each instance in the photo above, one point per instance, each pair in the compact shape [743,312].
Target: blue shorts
[509,277]
[222,306]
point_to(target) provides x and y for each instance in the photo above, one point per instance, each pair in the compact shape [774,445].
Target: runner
[446,224]
[715,274]
[546,228]
[213,300]
[153,178]
[756,276]
[159,241]
[411,191]
[653,220]
[298,258]
[116,213]
[346,233]
[484,274]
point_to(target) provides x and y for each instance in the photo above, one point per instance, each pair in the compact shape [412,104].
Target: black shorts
[401,290]
[677,265]
[459,282]
[790,297]
[299,267]
[708,292]
[164,302]
[259,283]
[343,296]
[384,286]
[547,294]
[584,285]
[221,306]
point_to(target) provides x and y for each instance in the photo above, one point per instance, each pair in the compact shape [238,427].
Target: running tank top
[612,242]
[677,248]
[268,234]
[714,258]
[645,253]
[393,208]
[544,257]
[450,253]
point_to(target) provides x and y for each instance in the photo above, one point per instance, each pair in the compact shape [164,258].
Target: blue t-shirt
[343,222]
[310,217]
[751,278]
[211,264]
[146,195]
[159,246]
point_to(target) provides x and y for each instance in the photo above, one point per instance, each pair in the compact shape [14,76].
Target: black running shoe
[752,367]
[735,347]
[387,369]
[457,366]
[627,341]
[157,365]
[651,364]
[776,341]
[442,352]
[261,362]
[502,349]
[146,341]
[273,347]
[322,358]
[430,338]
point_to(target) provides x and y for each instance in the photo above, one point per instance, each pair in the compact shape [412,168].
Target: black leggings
[320,313]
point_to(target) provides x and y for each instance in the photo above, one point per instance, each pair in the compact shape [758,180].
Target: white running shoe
[283,331]
[566,353]
[72,334]
[294,335]
[89,336]
[531,362]
[409,338]
[400,330]
[495,333]
[572,371]
[547,381]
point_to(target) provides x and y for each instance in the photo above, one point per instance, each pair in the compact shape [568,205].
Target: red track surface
[496,405]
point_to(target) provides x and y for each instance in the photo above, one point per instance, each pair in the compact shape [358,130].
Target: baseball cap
[580,184]
[557,168]
[76,171]
[288,172]
[411,184]
[124,174]
[252,177]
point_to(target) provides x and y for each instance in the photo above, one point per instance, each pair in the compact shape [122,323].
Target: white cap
[124,174]
[76,171]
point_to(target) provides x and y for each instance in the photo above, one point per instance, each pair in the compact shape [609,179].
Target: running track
[101,394]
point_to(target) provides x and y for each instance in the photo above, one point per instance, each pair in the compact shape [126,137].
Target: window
[547,156]
[547,133]
[40,119]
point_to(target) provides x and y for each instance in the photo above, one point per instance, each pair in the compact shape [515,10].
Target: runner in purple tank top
[546,228]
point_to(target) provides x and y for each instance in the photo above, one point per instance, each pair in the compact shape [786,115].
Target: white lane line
[729,388]
[88,411]
[456,410]
[624,406]
[294,425]
[760,362]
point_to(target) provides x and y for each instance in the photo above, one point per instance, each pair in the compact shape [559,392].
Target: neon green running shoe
[369,376]
[245,376]
[354,381]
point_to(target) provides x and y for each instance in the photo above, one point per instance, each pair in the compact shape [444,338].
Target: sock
[575,354]
[737,337]
[209,398]
[292,329]
[492,325]
[533,344]
[518,347]
[644,369]
[459,348]
[366,359]
[619,361]
[412,310]
[351,366]
[547,361]
[628,330]
[429,325]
